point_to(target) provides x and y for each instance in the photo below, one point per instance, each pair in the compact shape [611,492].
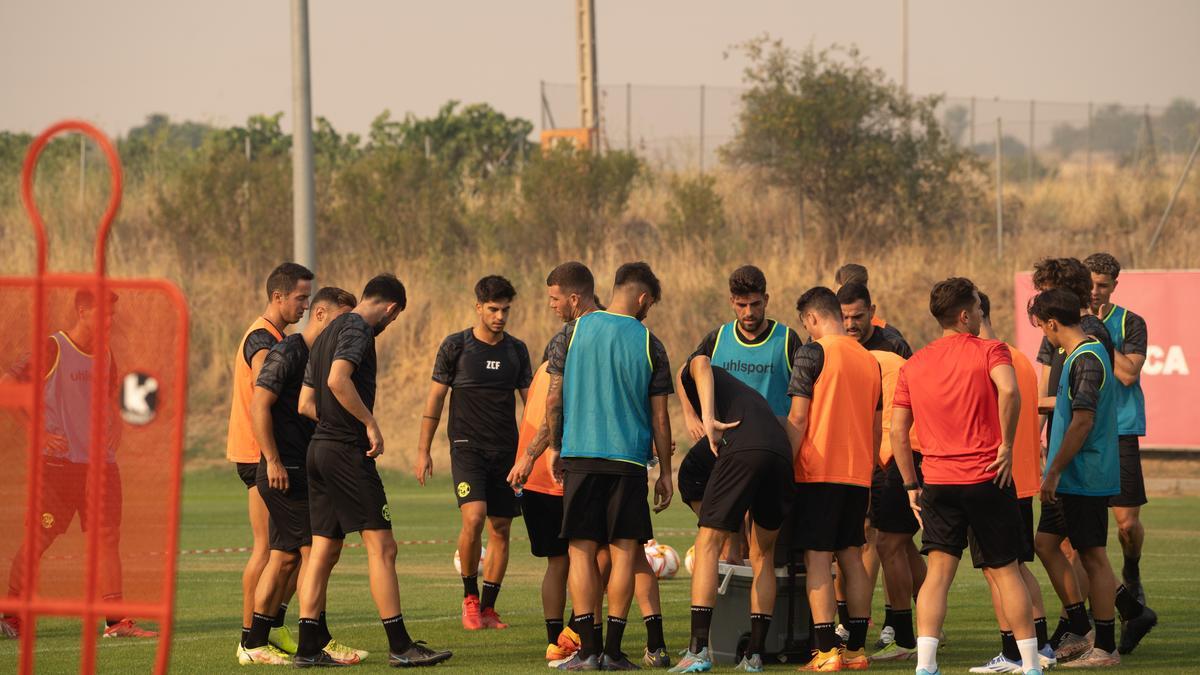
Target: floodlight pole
[904,46]
[304,237]
[585,32]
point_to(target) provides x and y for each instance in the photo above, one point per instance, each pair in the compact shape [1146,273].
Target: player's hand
[556,466]
[56,446]
[277,476]
[914,503]
[1002,466]
[695,427]
[664,490]
[520,471]
[715,431]
[424,468]
[1050,487]
[375,438]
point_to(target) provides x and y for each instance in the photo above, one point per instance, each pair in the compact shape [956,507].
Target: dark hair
[985,305]
[1058,304]
[747,280]
[950,297]
[1103,263]
[851,273]
[852,292]
[285,277]
[386,287]
[1065,273]
[573,277]
[639,273]
[332,295]
[821,301]
[494,287]
[85,298]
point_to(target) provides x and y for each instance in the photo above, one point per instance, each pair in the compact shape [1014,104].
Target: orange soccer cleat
[470,613]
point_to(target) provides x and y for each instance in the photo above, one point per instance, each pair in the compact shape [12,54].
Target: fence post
[1029,153]
[428,146]
[999,190]
[971,126]
[701,128]
[542,102]
[1088,162]
[628,116]
[1174,195]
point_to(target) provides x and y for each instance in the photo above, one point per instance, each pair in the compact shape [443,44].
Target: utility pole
[585,26]
[904,46]
[304,237]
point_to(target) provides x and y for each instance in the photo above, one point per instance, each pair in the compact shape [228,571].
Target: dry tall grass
[1067,215]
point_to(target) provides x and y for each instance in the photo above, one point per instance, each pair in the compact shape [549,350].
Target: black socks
[701,621]
[1077,619]
[1106,635]
[582,625]
[858,634]
[825,637]
[323,629]
[1039,627]
[309,642]
[398,639]
[654,632]
[759,625]
[843,613]
[245,634]
[1008,646]
[553,628]
[1127,604]
[616,631]
[902,623]
[279,617]
[260,629]
[487,600]
[1131,570]
[471,585]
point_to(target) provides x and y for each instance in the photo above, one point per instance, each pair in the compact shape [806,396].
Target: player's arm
[430,419]
[263,427]
[700,369]
[1128,366]
[1008,397]
[554,421]
[798,423]
[342,388]
[810,361]
[902,454]
[660,422]
[523,463]
[308,403]
[691,421]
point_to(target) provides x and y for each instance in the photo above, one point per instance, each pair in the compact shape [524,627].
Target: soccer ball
[689,560]
[458,562]
[663,559]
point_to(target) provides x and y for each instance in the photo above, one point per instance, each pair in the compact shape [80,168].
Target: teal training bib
[1131,402]
[764,367]
[1095,471]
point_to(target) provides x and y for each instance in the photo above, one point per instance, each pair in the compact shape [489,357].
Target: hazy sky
[221,60]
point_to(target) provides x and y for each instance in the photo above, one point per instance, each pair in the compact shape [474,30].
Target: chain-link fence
[682,127]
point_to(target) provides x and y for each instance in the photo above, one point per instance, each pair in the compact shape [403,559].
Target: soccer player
[483,366]
[752,470]
[1082,473]
[962,392]
[853,273]
[288,288]
[858,313]
[834,429]
[283,435]
[344,489]
[1128,332]
[1026,472]
[67,423]
[606,409]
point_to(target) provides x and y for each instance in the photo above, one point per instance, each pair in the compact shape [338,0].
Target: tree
[868,157]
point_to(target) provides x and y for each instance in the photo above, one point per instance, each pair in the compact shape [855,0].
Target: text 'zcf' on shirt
[482,378]
[842,380]
[948,386]
[346,338]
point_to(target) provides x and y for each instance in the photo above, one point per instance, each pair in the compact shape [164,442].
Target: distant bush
[695,208]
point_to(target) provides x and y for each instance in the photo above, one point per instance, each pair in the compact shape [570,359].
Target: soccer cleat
[576,663]
[266,655]
[417,654]
[922,671]
[999,664]
[657,658]
[343,654]
[127,628]
[843,633]
[10,627]
[1134,630]
[1071,646]
[894,652]
[824,662]
[694,663]
[281,638]
[557,653]
[490,619]
[886,637]
[855,659]
[320,660]
[470,613]
[568,640]
[1046,658]
[750,664]
[1093,658]
[620,663]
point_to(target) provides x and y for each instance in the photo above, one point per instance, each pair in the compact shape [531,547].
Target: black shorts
[482,476]
[605,507]
[890,510]
[1027,554]
[986,509]
[829,516]
[345,493]
[758,480]
[543,519]
[248,472]
[1081,519]
[1133,486]
[64,493]
[289,525]
[694,472]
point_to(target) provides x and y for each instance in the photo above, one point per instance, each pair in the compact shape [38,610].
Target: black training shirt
[736,401]
[258,340]
[1086,378]
[282,374]
[1136,337]
[888,339]
[482,379]
[346,338]
[1049,356]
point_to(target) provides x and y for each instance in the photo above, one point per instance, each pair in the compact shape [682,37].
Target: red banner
[1162,298]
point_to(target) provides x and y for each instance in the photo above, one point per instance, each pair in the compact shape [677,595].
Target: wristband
[911,486]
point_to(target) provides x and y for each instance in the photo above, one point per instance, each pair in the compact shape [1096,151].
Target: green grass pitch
[208,606]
